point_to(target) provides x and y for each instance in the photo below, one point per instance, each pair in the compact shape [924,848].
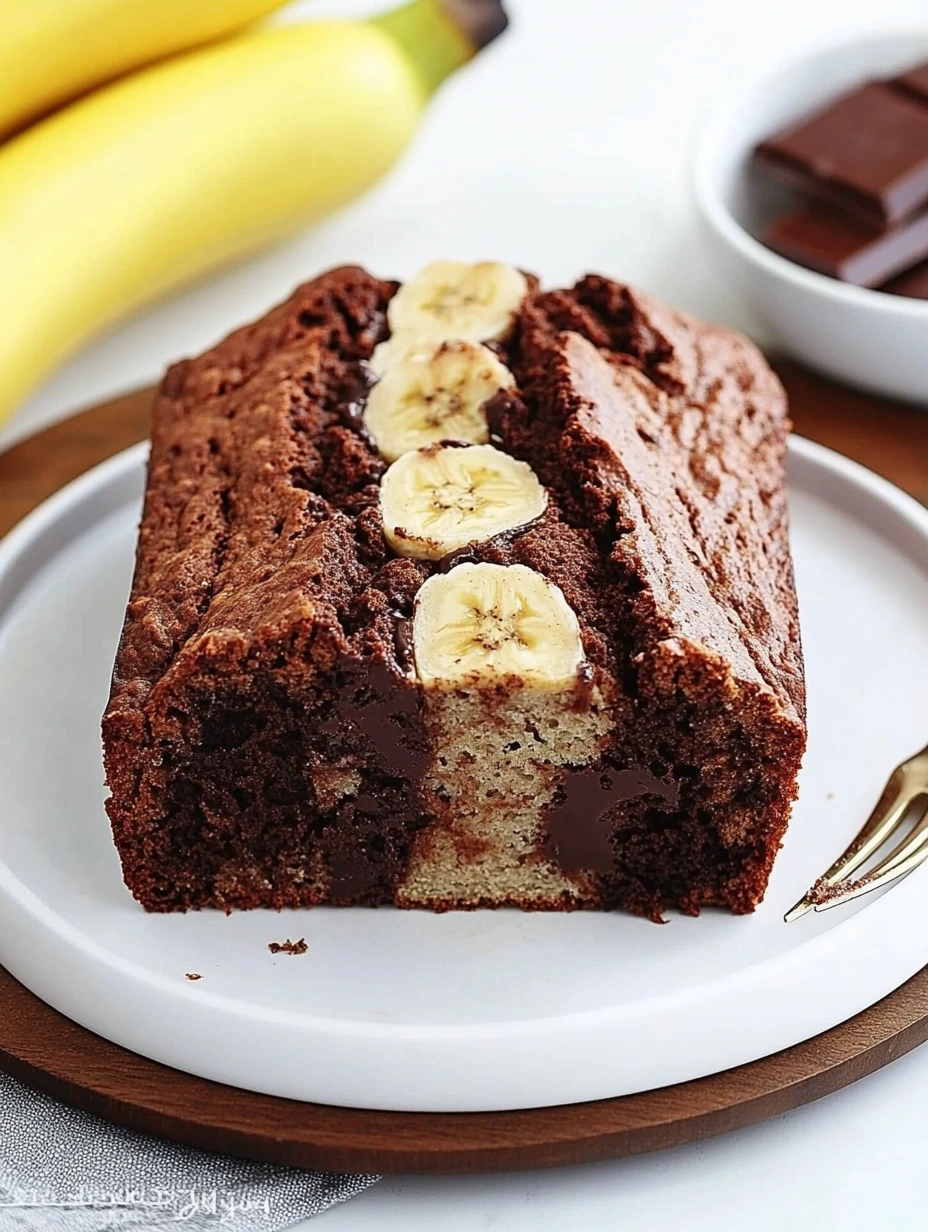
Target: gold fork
[907,787]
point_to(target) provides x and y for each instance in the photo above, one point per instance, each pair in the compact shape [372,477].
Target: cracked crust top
[661,438]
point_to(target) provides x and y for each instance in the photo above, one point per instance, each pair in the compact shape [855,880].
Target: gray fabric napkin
[65,1171]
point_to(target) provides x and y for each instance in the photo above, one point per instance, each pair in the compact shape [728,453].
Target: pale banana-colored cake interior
[500,762]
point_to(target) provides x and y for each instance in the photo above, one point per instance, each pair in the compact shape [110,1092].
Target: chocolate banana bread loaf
[461,594]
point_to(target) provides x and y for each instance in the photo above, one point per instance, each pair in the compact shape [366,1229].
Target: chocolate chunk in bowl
[866,154]
[832,243]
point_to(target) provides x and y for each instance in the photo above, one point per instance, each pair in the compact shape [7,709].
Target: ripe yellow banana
[53,50]
[197,160]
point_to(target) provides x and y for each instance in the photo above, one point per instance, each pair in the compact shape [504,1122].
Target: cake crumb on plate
[288,946]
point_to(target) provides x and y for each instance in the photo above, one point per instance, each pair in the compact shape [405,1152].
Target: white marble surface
[565,148]
[851,1163]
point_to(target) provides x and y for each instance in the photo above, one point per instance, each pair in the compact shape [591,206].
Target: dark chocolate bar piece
[913,283]
[824,240]
[866,154]
[914,82]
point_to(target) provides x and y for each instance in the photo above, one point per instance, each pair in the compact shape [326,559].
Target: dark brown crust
[264,607]
[680,450]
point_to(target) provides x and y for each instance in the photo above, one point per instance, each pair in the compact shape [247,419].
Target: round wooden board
[41,1047]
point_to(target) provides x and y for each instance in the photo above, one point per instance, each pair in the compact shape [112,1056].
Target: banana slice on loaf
[436,500]
[485,624]
[451,299]
[440,395]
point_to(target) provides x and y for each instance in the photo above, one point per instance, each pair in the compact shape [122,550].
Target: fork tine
[889,811]
[905,857]
[913,841]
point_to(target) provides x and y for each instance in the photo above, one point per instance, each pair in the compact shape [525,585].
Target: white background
[565,147]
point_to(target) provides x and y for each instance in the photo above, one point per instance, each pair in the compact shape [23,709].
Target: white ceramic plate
[464,1011]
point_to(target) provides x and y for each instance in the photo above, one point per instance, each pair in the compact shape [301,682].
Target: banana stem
[438,36]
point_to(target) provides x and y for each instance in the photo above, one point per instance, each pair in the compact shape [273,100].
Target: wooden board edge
[49,1052]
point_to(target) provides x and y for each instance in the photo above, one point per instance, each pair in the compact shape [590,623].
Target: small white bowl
[865,338]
